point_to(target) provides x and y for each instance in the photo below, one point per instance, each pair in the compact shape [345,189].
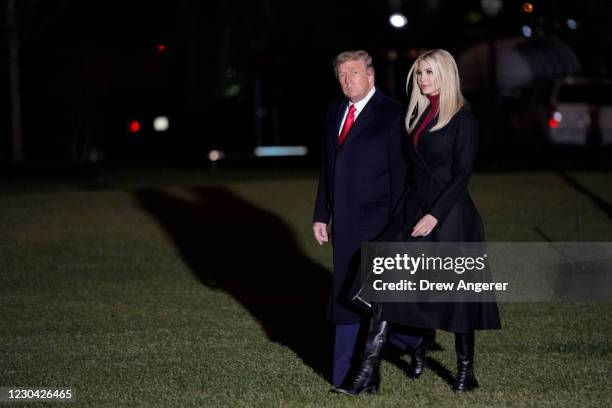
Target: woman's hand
[424,227]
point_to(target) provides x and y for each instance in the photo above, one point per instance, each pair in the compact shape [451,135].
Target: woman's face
[429,84]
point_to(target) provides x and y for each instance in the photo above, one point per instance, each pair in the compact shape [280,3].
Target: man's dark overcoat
[360,183]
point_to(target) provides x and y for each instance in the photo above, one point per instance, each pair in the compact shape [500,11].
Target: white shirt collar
[358,107]
[362,103]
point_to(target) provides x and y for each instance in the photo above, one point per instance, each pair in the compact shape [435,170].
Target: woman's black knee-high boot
[367,377]
[464,346]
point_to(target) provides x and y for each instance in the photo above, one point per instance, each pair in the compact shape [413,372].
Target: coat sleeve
[322,207]
[465,147]
[397,164]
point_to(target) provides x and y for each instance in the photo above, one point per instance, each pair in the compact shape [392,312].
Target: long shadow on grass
[251,254]
[602,204]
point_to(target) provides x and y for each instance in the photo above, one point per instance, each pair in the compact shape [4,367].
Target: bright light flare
[161,123]
[215,155]
[527,31]
[398,20]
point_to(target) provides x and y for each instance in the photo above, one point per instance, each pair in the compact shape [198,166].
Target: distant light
[215,155]
[527,7]
[392,55]
[398,20]
[161,47]
[161,123]
[491,7]
[527,31]
[572,24]
[552,123]
[134,126]
[557,116]
[268,151]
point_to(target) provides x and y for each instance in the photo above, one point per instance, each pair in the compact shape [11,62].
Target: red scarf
[434,101]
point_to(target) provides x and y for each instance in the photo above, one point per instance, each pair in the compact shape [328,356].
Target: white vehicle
[580,112]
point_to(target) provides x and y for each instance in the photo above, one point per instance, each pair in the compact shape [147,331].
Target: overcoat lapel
[414,150]
[365,117]
[363,120]
[341,110]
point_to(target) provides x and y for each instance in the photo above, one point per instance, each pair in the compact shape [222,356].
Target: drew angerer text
[425,285]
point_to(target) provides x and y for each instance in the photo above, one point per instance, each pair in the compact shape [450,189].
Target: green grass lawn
[206,289]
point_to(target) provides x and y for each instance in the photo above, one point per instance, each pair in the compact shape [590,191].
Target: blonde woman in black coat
[437,207]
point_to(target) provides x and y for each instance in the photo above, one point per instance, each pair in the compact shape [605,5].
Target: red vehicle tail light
[554,118]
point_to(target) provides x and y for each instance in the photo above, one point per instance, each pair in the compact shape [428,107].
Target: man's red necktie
[348,122]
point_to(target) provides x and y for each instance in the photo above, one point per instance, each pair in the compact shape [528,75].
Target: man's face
[355,80]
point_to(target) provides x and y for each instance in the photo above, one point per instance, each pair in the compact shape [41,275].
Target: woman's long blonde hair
[445,71]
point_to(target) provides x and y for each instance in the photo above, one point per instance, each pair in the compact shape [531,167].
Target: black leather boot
[367,377]
[419,355]
[464,346]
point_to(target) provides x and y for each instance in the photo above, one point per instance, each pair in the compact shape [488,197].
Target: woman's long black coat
[442,164]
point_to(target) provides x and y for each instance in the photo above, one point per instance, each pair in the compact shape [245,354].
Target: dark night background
[236,74]
[140,272]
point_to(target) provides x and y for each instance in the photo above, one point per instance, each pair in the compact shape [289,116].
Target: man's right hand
[320,232]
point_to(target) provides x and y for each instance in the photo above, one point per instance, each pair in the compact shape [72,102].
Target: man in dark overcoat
[361,180]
